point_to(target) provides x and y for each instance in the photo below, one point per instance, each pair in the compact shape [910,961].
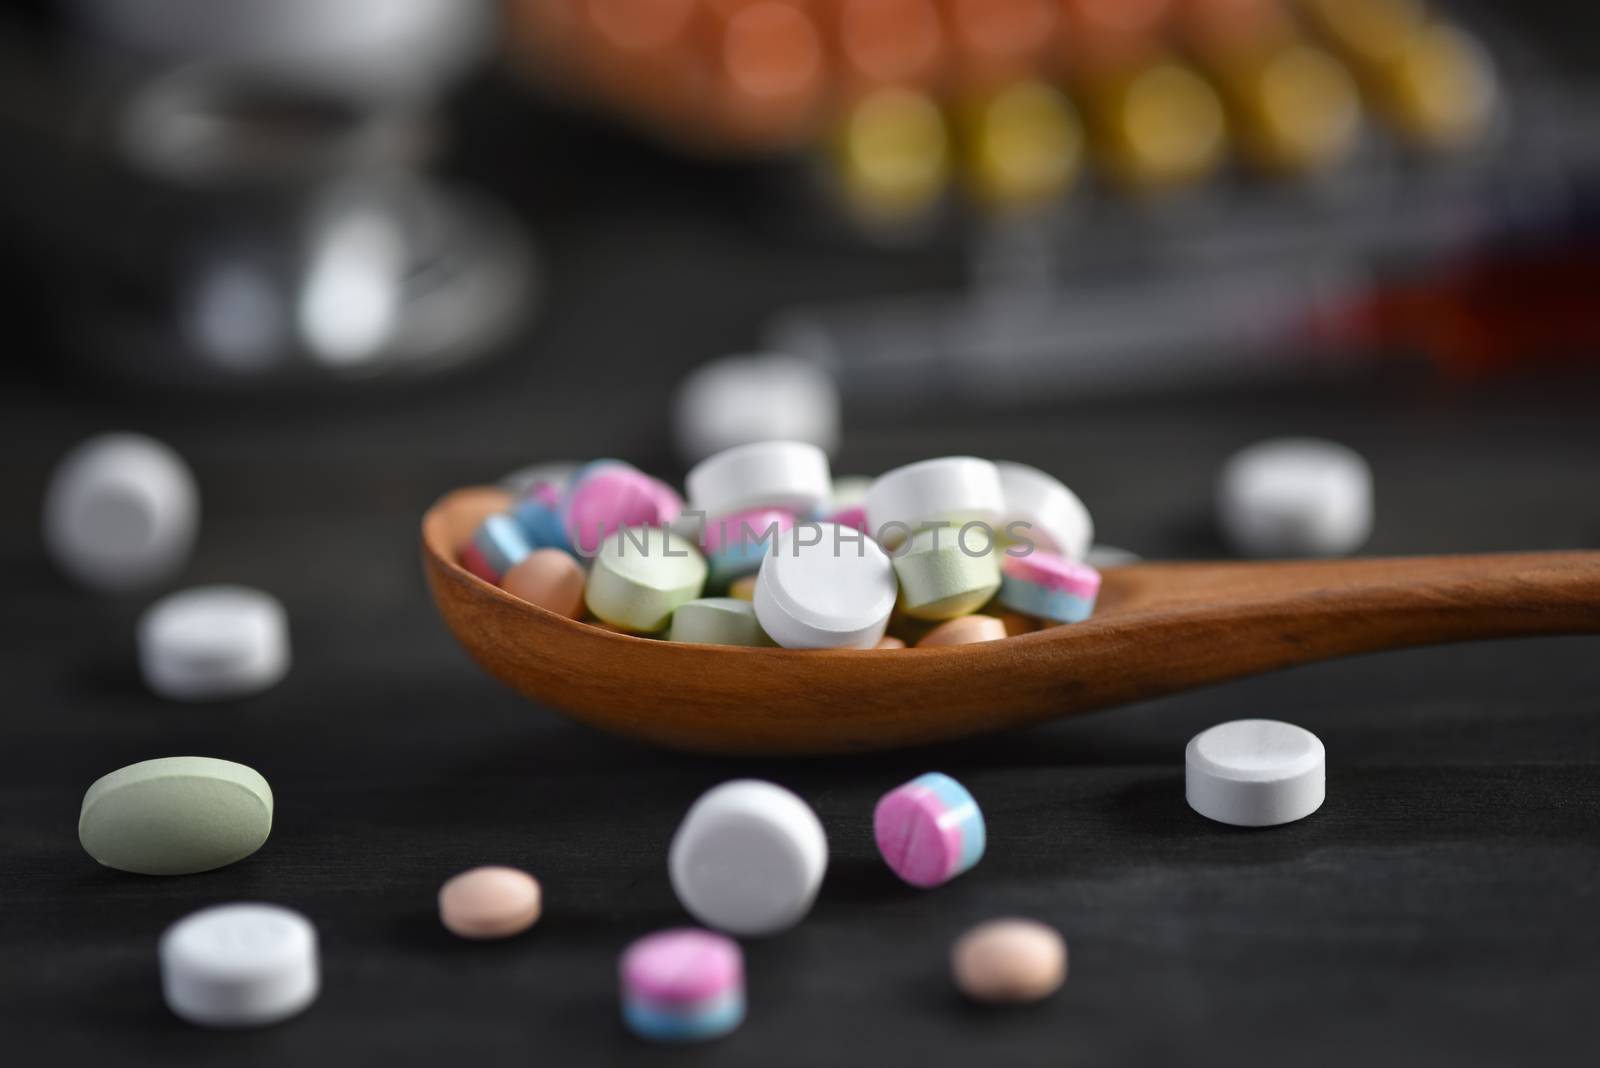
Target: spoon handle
[1277,614]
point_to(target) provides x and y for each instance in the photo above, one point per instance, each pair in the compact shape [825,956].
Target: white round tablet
[244,965]
[791,475]
[1255,773]
[739,400]
[1295,497]
[748,858]
[121,513]
[825,586]
[950,489]
[1057,520]
[214,642]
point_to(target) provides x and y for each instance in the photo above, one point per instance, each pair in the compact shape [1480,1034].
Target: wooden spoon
[1158,629]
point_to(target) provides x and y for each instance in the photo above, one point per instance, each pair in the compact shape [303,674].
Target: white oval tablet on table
[243,965]
[825,586]
[950,489]
[214,642]
[121,513]
[1056,519]
[1255,773]
[791,475]
[748,858]
[737,400]
[1295,497]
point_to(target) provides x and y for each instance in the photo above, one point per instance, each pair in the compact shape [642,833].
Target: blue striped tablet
[1049,586]
[498,545]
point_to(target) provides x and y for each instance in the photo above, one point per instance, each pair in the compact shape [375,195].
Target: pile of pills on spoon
[766,548]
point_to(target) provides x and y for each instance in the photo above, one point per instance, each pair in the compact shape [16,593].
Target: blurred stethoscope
[233,192]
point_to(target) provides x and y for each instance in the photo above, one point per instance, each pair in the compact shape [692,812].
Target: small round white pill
[791,475]
[739,400]
[1255,773]
[243,965]
[949,489]
[825,586]
[121,513]
[214,642]
[1295,497]
[1056,519]
[748,858]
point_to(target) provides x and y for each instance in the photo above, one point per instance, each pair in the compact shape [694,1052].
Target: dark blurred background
[347,256]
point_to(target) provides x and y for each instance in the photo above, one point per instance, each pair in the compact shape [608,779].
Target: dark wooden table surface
[1442,907]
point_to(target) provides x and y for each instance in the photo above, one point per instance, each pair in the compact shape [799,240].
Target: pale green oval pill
[640,575]
[718,621]
[175,815]
[941,579]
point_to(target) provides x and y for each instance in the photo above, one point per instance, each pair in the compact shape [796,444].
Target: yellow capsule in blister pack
[1296,108]
[1023,146]
[1157,126]
[1441,90]
[893,156]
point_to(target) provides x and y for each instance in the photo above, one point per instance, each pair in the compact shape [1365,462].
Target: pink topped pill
[682,965]
[854,517]
[1049,586]
[929,830]
[614,497]
[745,531]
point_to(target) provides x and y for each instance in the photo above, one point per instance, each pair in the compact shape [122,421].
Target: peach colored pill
[964,630]
[888,641]
[489,902]
[1009,962]
[549,578]
[1016,623]
[743,588]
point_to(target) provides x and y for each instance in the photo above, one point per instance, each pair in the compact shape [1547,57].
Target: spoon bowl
[1157,629]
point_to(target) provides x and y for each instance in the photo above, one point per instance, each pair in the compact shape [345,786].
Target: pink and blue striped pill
[1049,586]
[496,547]
[682,985]
[736,544]
[929,830]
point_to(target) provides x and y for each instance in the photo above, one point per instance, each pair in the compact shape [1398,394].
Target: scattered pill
[1056,519]
[892,158]
[735,544]
[549,578]
[490,902]
[1024,146]
[1160,125]
[1442,90]
[1255,773]
[944,574]
[612,497]
[740,400]
[496,547]
[836,591]
[245,965]
[789,475]
[1048,586]
[929,830]
[743,589]
[682,985]
[748,858]
[1009,962]
[889,642]
[718,621]
[175,815]
[640,575]
[950,489]
[121,513]
[1295,497]
[964,630]
[214,643]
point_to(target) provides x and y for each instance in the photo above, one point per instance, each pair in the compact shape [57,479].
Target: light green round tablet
[175,815]
[640,575]
[942,577]
[718,621]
